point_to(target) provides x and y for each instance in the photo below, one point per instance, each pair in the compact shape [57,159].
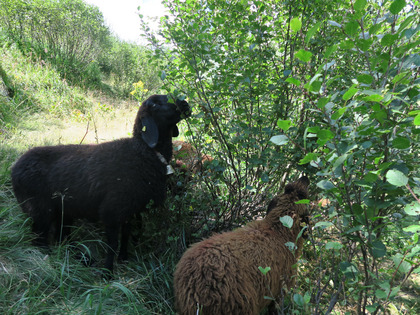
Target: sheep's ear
[175,132]
[150,132]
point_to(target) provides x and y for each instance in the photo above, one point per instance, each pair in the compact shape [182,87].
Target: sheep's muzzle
[184,108]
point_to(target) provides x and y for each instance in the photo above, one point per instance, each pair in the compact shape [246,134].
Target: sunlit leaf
[417,120]
[279,140]
[295,24]
[329,51]
[350,93]
[303,55]
[284,124]
[396,178]
[412,208]
[412,228]
[373,98]
[308,158]
[293,81]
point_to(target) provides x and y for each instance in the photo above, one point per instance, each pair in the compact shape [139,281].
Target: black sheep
[110,182]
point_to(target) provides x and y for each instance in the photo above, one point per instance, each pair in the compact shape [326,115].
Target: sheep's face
[157,117]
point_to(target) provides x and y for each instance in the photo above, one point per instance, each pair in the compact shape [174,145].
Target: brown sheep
[220,275]
[187,161]
[188,158]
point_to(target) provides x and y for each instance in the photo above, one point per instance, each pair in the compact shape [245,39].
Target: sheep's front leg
[111,231]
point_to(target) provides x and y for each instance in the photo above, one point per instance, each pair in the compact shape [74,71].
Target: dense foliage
[72,36]
[325,88]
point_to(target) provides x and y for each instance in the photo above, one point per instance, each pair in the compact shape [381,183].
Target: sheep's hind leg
[111,231]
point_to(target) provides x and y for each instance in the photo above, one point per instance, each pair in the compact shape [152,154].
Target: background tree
[70,34]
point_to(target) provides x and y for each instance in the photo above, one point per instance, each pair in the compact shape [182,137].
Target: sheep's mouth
[183,108]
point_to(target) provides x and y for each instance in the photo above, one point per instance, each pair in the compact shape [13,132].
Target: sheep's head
[285,204]
[157,118]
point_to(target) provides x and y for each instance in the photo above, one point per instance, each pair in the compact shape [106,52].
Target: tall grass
[37,86]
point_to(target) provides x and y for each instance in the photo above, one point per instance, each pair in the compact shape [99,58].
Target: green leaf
[359,5]
[412,228]
[330,50]
[380,294]
[403,266]
[378,249]
[322,102]
[351,28]
[401,143]
[412,208]
[417,120]
[325,134]
[338,113]
[333,245]
[163,75]
[303,201]
[279,140]
[265,270]
[396,178]
[323,224]
[308,158]
[295,24]
[340,161]
[397,6]
[284,124]
[389,39]
[365,79]
[287,221]
[298,299]
[325,184]
[347,44]
[349,93]
[293,81]
[303,55]
[291,246]
[312,31]
[373,98]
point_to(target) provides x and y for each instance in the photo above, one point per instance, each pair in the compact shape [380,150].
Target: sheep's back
[91,181]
